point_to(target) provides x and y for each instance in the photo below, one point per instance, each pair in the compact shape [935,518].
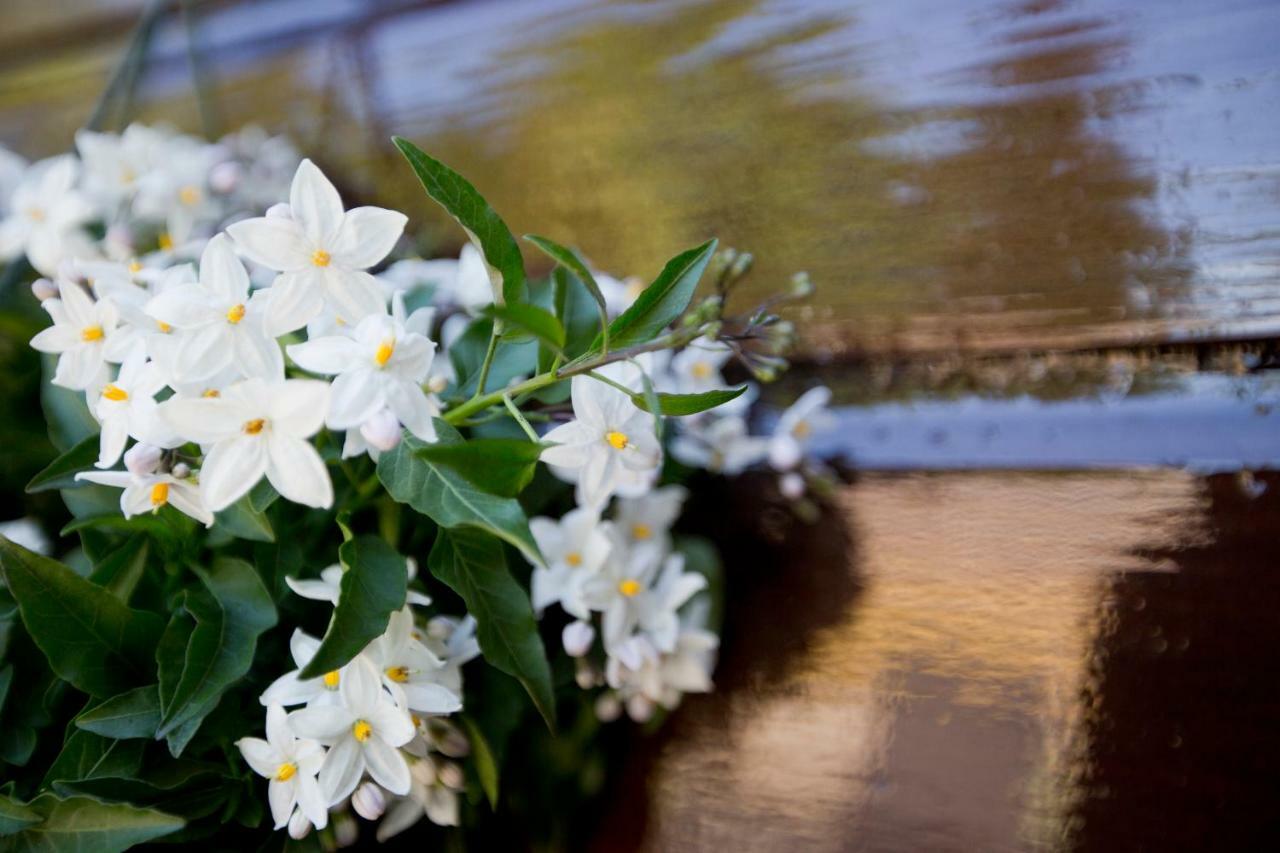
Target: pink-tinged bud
[142,459]
[577,638]
[369,801]
[586,675]
[451,775]
[382,430]
[640,708]
[299,826]
[43,289]
[120,238]
[791,485]
[279,211]
[181,470]
[608,708]
[225,177]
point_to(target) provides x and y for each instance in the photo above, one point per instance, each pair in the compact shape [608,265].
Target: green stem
[600,377]
[488,358]
[520,419]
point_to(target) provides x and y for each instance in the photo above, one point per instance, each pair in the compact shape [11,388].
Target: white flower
[79,334]
[329,586]
[290,690]
[130,289]
[577,638]
[428,796]
[575,548]
[453,641]
[114,164]
[44,216]
[27,533]
[722,446]
[696,368]
[321,252]
[380,434]
[631,604]
[220,324]
[609,442]
[126,408]
[363,733]
[256,428]
[369,801]
[646,521]
[381,367]
[410,671]
[463,283]
[618,295]
[686,669]
[148,492]
[796,425]
[175,191]
[291,764]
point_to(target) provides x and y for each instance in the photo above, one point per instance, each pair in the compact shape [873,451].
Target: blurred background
[1041,614]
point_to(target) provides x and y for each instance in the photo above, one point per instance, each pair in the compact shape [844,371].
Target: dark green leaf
[372,588]
[65,410]
[89,756]
[120,571]
[690,404]
[89,636]
[662,301]
[500,466]
[467,353]
[531,319]
[84,825]
[14,816]
[231,613]
[485,228]
[130,715]
[242,521]
[61,472]
[447,498]
[569,259]
[262,495]
[472,564]
[577,311]
[485,762]
[6,679]
[701,556]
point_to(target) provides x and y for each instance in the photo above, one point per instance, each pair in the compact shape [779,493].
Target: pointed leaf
[61,472]
[135,714]
[84,825]
[447,498]
[569,259]
[662,301]
[472,564]
[485,228]
[531,319]
[89,636]
[500,466]
[689,404]
[485,762]
[242,521]
[373,587]
[14,815]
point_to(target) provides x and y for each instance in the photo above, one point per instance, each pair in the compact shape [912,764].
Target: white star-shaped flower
[321,251]
[148,492]
[126,408]
[410,672]
[45,215]
[796,425]
[328,587]
[78,335]
[291,763]
[575,548]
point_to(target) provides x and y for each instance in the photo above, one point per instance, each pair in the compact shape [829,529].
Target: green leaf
[569,259]
[485,762]
[231,613]
[120,571]
[447,498]
[500,466]
[65,410]
[61,472]
[88,756]
[242,521]
[262,495]
[485,228]
[577,311]
[662,301]
[372,588]
[472,564]
[529,318]
[690,404]
[84,825]
[467,353]
[133,714]
[14,816]
[89,636]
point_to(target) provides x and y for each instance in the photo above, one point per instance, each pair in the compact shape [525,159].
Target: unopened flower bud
[608,708]
[710,308]
[586,675]
[791,484]
[741,265]
[640,708]
[142,459]
[225,177]
[345,830]
[181,470]
[299,826]
[451,776]
[382,430]
[43,289]
[449,739]
[280,211]
[578,637]
[119,238]
[801,285]
[369,801]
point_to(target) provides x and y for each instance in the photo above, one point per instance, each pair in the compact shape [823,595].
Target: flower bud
[382,430]
[43,289]
[451,776]
[225,177]
[608,708]
[119,238]
[451,741]
[345,830]
[299,826]
[741,265]
[801,285]
[280,211]
[142,459]
[791,484]
[181,470]
[640,708]
[578,637]
[586,675]
[369,801]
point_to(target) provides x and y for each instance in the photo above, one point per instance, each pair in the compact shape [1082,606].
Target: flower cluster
[372,733]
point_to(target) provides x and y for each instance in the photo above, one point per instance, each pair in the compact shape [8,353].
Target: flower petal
[341,771]
[260,755]
[221,272]
[329,355]
[367,235]
[204,420]
[293,300]
[356,397]
[325,723]
[387,766]
[231,469]
[315,204]
[353,294]
[296,470]
[274,242]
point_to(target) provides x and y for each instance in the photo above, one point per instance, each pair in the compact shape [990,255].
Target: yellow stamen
[91,333]
[211,393]
[254,426]
[361,730]
[385,350]
[801,429]
[189,195]
[700,370]
[164,327]
[135,267]
[115,393]
[165,241]
[285,771]
[629,587]
[339,321]
[331,679]
[320,258]
[235,314]
[641,531]
[398,674]
[159,494]
[36,214]
[618,440]
[573,558]
[417,721]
